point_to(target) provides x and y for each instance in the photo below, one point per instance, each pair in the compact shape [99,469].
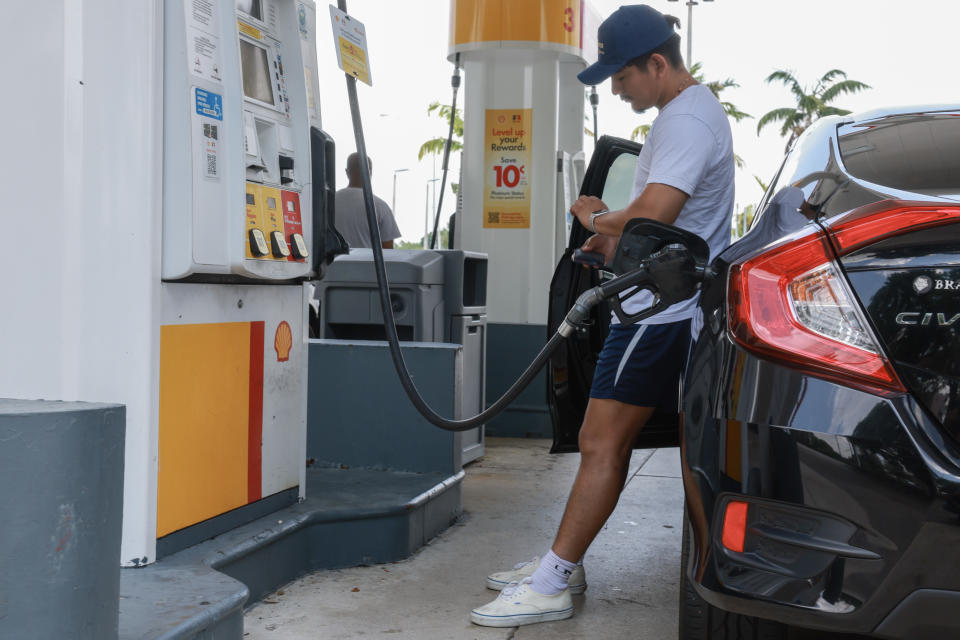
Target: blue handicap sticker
[209,104]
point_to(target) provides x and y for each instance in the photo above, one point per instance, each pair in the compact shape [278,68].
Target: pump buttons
[299,246]
[258,243]
[280,249]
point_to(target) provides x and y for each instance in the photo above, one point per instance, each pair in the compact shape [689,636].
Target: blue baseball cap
[629,32]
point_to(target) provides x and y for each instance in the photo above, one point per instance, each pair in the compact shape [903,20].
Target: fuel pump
[187,178]
[240,108]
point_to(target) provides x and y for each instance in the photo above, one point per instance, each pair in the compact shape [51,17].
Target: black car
[819,421]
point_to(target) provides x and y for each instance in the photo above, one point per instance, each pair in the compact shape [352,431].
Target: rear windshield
[917,152]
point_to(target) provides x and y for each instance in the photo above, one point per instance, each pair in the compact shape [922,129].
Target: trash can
[349,300]
[437,296]
[465,301]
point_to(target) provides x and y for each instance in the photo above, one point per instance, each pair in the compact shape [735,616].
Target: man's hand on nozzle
[599,243]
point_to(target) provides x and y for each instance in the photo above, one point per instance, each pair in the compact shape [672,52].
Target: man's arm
[657,201]
[387,245]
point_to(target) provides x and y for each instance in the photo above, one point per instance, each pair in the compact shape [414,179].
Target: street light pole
[690,5]
[426,224]
[393,203]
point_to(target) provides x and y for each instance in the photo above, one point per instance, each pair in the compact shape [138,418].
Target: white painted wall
[81,284]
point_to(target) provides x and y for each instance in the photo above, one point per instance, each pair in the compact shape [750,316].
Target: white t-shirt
[689,147]
[351,218]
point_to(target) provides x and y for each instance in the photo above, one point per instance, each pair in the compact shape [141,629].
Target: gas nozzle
[660,258]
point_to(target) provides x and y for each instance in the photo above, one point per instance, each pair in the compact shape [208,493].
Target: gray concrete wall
[358,414]
[61,499]
[510,350]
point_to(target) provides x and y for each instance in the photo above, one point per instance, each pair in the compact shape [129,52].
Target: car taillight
[874,222]
[792,304]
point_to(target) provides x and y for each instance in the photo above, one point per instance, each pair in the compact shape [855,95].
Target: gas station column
[523,114]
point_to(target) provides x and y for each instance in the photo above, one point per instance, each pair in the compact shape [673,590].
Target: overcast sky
[905,50]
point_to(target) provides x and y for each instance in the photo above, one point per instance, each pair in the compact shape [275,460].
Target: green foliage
[716,87]
[810,105]
[419,244]
[640,133]
[741,222]
[436,146]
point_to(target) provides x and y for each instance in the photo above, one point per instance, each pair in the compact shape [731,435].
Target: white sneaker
[497,581]
[518,604]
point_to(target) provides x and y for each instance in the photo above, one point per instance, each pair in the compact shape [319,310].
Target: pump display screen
[253,8]
[256,72]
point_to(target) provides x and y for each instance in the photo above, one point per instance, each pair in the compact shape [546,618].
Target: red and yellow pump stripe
[211,421]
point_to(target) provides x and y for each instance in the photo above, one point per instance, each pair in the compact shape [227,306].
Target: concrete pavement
[513,500]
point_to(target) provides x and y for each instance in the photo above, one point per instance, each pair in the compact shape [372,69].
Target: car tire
[699,620]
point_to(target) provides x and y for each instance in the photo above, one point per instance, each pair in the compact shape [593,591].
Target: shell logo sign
[283,341]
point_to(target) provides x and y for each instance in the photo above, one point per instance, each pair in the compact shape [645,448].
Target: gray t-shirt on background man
[690,148]
[351,218]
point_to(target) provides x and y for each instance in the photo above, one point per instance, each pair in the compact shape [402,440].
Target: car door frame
[570,369]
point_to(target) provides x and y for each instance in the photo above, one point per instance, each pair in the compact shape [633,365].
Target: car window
[619,184]
[913,152]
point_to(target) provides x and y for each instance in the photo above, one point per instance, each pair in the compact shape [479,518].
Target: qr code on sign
[211,164]
[493,216]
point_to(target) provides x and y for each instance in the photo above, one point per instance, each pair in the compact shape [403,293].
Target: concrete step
[351,517]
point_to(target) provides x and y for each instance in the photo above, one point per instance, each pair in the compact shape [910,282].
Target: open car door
[570,371]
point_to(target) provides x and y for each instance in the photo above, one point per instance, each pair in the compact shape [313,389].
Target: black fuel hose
[576,318]
[390,324]
[455,83]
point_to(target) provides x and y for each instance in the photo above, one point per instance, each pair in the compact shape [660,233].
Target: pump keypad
[274,226]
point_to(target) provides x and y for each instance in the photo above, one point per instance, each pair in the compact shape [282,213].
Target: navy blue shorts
[642,364]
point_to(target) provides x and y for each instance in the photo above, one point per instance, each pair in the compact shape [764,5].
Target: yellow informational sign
[506,194]
[350,40]
[253,32]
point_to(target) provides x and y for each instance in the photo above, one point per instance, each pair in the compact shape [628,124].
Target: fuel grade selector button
[299,246]
[258,243]
[280,249]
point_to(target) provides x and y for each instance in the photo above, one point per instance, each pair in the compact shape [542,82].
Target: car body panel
[885,466]
[854,494]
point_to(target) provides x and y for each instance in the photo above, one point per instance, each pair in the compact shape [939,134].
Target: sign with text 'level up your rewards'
[506,194]
[350,41]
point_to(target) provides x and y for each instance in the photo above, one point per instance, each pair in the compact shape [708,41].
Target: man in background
[351,215]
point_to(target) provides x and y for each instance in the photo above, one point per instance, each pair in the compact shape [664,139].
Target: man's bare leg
[606,442]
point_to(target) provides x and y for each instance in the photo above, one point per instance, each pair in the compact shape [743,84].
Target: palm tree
[435,146]
[809,106]
[716,87]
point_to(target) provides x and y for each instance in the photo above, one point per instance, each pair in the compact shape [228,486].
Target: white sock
[552,574]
